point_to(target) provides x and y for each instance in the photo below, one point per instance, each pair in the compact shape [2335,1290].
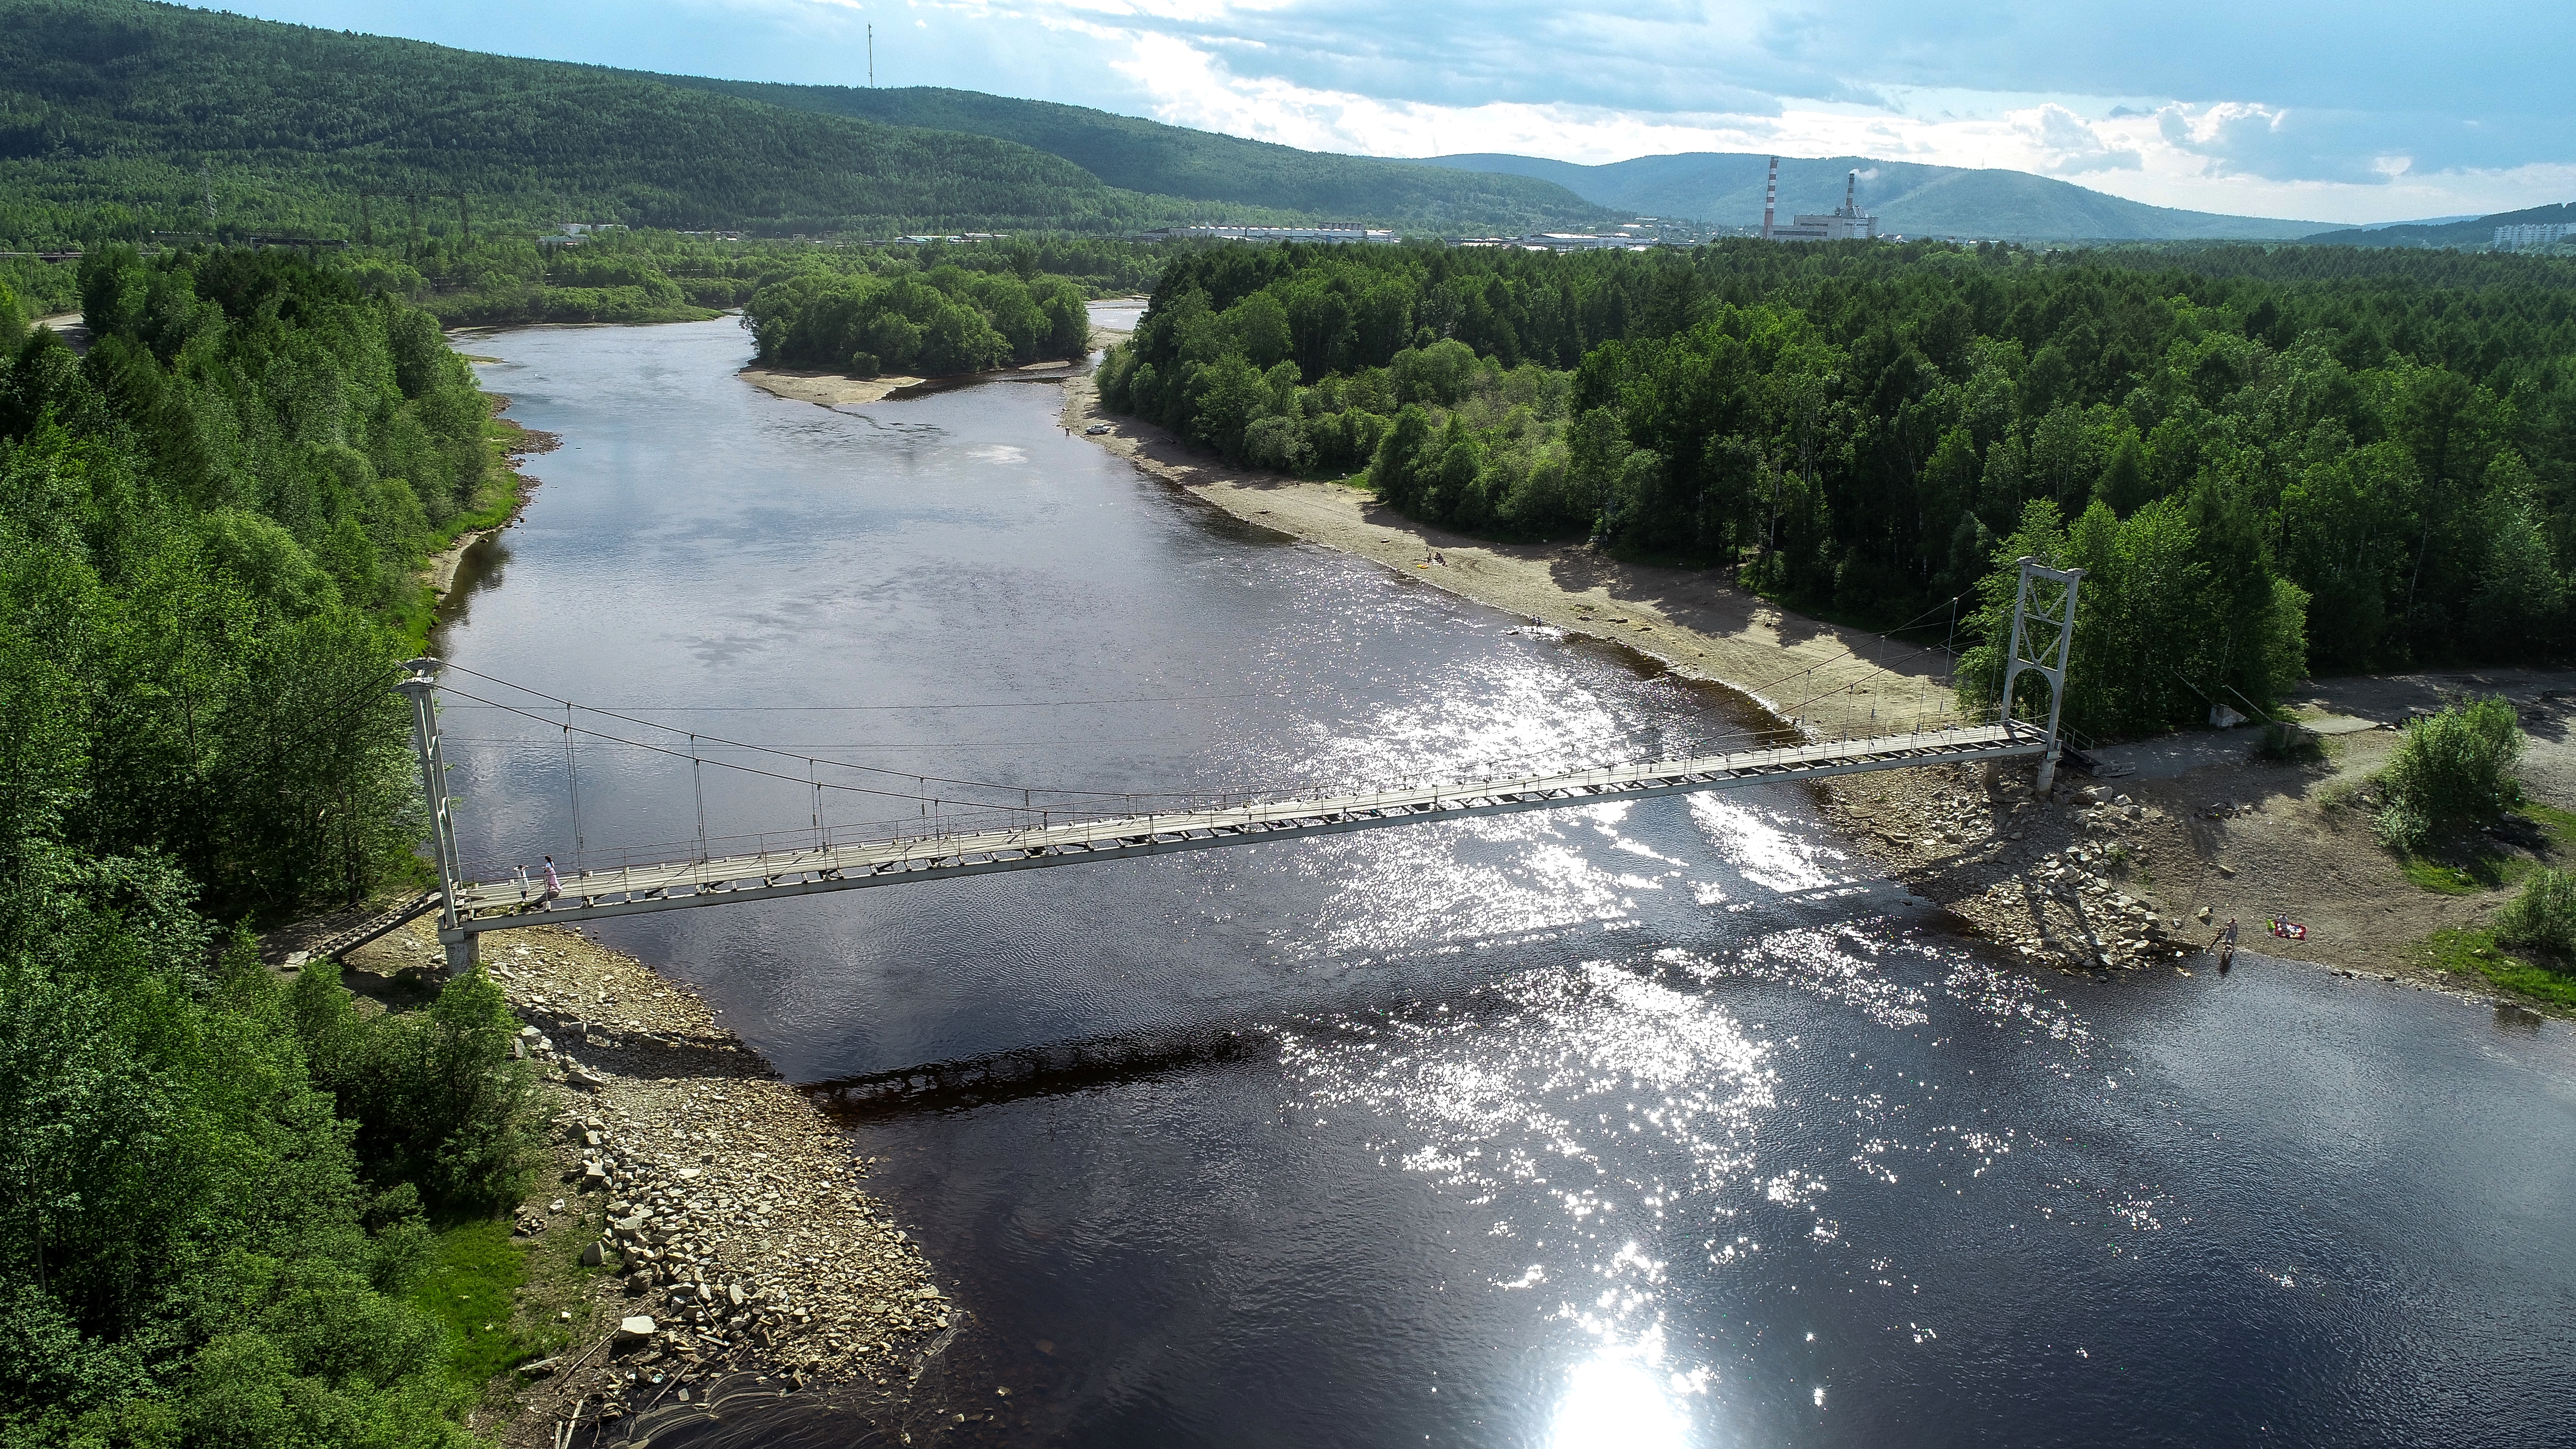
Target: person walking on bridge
[554,885]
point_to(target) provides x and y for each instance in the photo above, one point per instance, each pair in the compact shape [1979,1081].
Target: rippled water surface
[1659,1123]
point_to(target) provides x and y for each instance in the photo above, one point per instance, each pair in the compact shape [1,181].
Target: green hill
[2459,232]
[1916,200]
[148,106]
[1148,156]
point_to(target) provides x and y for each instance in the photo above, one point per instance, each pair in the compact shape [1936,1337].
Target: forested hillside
[2477,232]
[2267,473]
[1148,156]
[223,1190]
[125,109]
[1909,198]
[144,107]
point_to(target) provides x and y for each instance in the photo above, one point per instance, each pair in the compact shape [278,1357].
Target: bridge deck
[631,890]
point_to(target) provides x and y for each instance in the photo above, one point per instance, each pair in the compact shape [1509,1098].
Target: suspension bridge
[983,836]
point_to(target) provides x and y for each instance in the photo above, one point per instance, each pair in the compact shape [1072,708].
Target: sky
[2357,111]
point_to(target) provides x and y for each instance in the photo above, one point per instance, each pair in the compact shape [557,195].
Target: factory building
[1844,223]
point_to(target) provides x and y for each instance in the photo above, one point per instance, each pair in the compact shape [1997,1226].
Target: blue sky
[2338,112]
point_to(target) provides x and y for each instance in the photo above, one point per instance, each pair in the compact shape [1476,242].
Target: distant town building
[2532,237]
[1561,241]
[1330,233]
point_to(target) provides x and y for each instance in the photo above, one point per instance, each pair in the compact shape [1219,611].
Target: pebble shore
[741,1253]
[2060,880]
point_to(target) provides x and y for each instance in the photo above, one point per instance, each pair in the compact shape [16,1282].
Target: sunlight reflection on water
[1618,1401]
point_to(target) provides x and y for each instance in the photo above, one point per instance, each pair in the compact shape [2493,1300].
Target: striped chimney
[1770,197]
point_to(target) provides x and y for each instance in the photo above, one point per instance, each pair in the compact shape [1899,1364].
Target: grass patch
[2444,879]
[2476,953]
[473,1288]
[2463,864]
[503,1300]
[2559,825]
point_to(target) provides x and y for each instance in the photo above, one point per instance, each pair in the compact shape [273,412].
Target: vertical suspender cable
[572,776]
[697,783]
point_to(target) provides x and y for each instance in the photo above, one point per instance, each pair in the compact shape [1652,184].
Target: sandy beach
[1832,681]
[839,389]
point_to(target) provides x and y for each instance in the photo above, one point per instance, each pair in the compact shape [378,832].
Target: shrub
[437,1099]
[2543,917]
[2402,827]
[1276,442]
[2456,765]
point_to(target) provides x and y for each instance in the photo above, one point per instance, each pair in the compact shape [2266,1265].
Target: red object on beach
[2290,930]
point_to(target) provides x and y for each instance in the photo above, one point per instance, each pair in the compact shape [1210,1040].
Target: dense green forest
[937,323]
[119,117]
[219,1190]
[1148,156]
[645,276]
[2273,460]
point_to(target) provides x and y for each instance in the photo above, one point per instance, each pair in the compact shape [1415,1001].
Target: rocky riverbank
[2145,864]
[736,1252]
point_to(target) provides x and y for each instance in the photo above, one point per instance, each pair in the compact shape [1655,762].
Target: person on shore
[2224,943]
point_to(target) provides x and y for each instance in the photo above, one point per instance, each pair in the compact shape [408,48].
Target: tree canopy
[2386,441]
[216,1188]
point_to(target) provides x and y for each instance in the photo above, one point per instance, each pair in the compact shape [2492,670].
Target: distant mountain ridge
[1134,154]
[1725,188]
[2473,231]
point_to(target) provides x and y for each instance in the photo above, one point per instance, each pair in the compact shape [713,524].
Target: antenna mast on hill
[872,57]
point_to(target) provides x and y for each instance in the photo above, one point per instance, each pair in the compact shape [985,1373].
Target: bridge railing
[775,852]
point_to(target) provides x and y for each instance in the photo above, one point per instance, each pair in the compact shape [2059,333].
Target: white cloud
[2069,147]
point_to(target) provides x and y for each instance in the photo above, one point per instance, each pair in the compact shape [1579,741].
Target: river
[1653,1124]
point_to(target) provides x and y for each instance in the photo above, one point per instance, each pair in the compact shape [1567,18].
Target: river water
[1654,1124]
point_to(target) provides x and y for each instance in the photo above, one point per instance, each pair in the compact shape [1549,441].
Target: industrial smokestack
[1851,187]
[1770,197]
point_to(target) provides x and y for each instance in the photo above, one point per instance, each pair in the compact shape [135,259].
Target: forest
[937,323]
[2274,460]
[123,117]
[657,276]
[1151,157]
[119,117]
[222,1187]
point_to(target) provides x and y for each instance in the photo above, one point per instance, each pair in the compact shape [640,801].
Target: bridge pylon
[2035,601]
[420,685]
